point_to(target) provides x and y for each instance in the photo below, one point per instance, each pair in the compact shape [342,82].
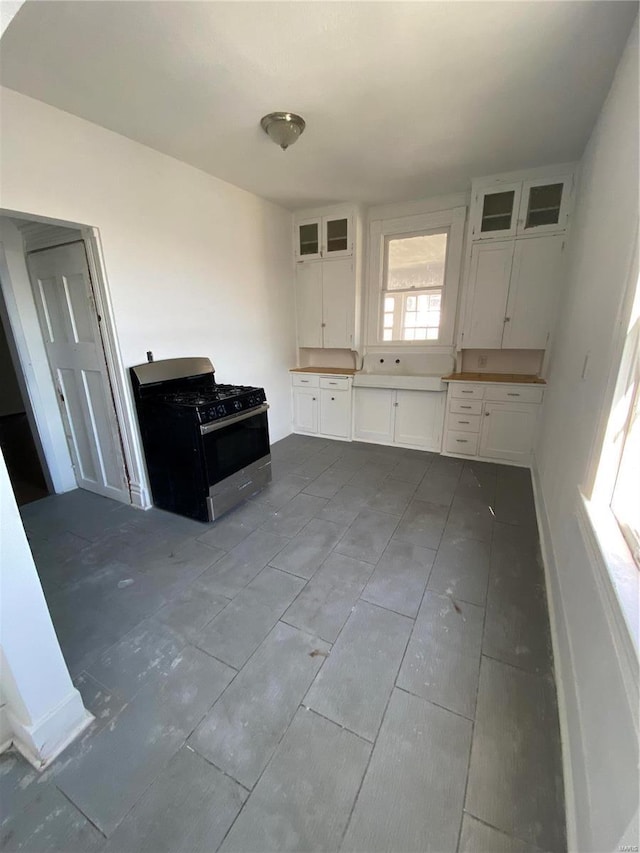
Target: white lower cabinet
[407,418]
[508,430]
[322,405]
[494,422]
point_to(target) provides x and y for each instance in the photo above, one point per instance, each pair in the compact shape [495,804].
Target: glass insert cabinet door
[308,232]
[496,211]
[337,240]
[544,205]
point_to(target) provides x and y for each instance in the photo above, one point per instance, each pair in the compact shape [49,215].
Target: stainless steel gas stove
[206,444]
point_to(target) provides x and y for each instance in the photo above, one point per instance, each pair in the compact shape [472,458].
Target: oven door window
[235,446]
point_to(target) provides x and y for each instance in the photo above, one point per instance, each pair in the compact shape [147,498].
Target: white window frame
[607,548]
[452,221]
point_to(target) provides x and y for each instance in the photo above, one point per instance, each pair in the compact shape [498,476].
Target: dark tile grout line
[475,705]
[502,832]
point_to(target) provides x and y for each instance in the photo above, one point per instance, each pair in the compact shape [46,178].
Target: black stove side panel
[171,441]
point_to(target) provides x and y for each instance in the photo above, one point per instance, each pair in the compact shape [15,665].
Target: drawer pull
[463,422]
[333,383]
[304,381]
[465,407]
[512,394]
[466,392]
[462,441]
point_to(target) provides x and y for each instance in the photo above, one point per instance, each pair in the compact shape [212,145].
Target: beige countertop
[514,378]
[326,371]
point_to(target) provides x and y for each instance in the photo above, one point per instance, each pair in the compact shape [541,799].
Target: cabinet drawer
[335,383]
[467,392]
[464,423]
[461,442]
[513,394]
[465,407]
[305,380]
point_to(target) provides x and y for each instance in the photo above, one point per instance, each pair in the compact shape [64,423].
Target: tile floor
[357,659]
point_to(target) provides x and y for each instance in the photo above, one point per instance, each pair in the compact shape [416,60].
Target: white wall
[600,735]
[195,266]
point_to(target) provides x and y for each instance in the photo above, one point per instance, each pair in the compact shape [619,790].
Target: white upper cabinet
[544,205]
[502,207]
[533,292]
[512,293]
[309,304]
[495,211]
[338,304]
[328,270]
[488,291]
[309,239]
[329,236]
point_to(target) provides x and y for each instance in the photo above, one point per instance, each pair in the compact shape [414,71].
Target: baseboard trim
[557,621]
[139,496]
[43,741]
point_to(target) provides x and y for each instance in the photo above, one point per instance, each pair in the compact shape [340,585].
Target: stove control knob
[238,405]
[221,411]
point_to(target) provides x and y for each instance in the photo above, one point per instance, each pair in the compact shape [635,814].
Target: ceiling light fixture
[283,128]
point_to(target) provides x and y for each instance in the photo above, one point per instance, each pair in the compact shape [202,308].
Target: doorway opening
[19,444]
[57,317]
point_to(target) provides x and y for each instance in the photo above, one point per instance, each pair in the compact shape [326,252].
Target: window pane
[420,334]
[432,334]
[389,303]
[387,335]
[626,495]
[415,262]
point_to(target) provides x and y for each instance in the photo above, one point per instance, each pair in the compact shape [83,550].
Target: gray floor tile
[192,610]
[324,605]
[103,703]
[367,537]
[240,566]
[514,499]
[303,800]
[477,837]
[116,766]
[293,516]
[517,623]
[311,468]
[442,662]
[235,633]
[243,728]
[186,560]
[50,822]
[345,505]
[422,524]
[412,795]
[478,482]
[189,807]
[235,526]
[306,551]
[400,577]
[470,518]
[461,569]
[20,783]
[354,685]
[147,652]
[411,470]
[329,482]
[280,491]
[437,488]
[392,496]
[515,776]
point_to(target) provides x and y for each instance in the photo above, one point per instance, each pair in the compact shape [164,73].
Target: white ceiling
[403,100]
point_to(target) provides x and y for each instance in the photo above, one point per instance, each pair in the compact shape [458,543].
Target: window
[414,274]
[413,281]
[618,479]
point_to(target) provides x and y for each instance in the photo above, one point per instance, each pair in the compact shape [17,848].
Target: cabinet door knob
[313,398]
[486,414]
[333,398]
[507,319]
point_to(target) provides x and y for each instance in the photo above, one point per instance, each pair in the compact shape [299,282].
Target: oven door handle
[233,419]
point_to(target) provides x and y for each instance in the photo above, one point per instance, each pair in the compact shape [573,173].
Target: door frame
[119,386]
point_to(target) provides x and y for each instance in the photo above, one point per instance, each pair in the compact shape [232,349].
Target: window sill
[619,579]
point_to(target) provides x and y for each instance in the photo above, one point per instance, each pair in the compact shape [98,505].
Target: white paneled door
[69,322]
